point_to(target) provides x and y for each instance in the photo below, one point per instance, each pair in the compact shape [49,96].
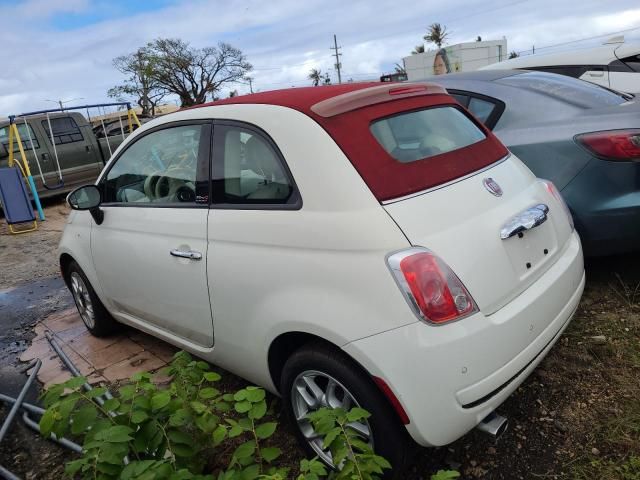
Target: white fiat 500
[360,244]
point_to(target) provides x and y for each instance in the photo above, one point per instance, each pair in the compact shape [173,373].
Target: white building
[461,57]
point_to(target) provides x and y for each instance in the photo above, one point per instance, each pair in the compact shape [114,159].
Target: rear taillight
[433,291]
[621,145]
[551,188]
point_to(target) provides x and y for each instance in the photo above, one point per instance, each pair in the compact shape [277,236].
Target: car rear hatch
[451,186]
[462,221]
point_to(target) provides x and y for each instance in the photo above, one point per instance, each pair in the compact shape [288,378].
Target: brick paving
[101,360]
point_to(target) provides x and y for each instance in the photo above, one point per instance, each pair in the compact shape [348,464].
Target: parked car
[80,153]
[583,137]
[614,65]
[355,245]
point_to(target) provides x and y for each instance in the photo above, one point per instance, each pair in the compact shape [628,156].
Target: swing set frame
[23,163]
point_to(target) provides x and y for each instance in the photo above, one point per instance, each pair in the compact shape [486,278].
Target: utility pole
[337,54]
[62,102]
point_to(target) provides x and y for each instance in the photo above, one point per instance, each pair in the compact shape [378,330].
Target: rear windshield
[408,145]
[421,134]
[571,90]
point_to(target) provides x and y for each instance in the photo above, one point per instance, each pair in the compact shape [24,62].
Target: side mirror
[87,197]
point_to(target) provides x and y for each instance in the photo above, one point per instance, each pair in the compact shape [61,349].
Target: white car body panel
[600,57]
[169,293]
[322,270]
[466,234]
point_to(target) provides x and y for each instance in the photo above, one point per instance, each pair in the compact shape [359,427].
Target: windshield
[577,92]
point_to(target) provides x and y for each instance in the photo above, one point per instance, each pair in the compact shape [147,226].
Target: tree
[479,39]
[327,79]
[514,54]
[399,68]
[436,34]
[315,75]
[195,73]
[418,49]
[140,83]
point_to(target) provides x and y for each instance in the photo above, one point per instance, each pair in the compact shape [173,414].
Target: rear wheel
[317,376]
[95,317]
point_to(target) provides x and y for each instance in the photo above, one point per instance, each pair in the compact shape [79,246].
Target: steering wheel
[174,186]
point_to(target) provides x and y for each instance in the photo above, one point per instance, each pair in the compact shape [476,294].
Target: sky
[63,49]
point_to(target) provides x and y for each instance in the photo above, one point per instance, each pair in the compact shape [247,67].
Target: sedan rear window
[416,135]
[571,90]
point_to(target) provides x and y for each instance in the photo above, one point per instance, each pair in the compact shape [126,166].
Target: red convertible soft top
[346,112]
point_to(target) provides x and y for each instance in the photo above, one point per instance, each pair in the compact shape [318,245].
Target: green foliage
[445,475]
[152,433]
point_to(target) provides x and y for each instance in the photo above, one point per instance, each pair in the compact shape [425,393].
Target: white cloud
[283,39]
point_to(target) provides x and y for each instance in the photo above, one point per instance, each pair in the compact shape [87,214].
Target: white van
[614,65]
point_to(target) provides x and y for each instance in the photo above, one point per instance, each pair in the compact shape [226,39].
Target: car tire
[390,438]
[94,315]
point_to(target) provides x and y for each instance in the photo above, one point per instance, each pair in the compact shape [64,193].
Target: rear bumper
[449,378]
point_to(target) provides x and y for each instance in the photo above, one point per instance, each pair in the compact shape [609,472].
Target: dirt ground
[576,417]
[29,256]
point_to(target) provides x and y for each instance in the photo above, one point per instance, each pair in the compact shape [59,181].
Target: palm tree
[399,68]
[418,49]
[514,54]
[437,34]
[315,75]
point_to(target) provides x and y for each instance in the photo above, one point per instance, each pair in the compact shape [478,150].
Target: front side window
[159,168]
[24,136]
[63,130]
[248,169]
[421,134]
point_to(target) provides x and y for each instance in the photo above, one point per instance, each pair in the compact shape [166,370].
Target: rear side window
[481,109]
[421,134]
[64,130]
[249,171]
[24,136]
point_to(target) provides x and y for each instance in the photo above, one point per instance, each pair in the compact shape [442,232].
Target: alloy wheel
[82,298]
[313,390]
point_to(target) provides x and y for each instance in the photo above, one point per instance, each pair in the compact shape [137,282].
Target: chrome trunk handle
[191,255]
[525,220]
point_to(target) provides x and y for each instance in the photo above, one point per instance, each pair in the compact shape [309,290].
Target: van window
[577,92]
[416,135]
[24,136]
[64,130]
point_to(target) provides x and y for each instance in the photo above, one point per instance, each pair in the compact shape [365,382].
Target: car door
[150,250]
[68,137]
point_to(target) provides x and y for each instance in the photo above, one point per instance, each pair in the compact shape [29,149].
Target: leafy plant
[190,428]
[445,475]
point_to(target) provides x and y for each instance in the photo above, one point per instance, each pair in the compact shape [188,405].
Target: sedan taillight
[433,291]
[620,145]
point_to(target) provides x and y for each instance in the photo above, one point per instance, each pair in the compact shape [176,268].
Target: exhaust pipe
[494,425]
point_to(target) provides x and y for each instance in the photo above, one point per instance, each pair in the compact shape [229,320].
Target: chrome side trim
[445,185]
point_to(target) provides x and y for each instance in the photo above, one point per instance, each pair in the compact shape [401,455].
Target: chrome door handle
[525,220]
[191,255]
